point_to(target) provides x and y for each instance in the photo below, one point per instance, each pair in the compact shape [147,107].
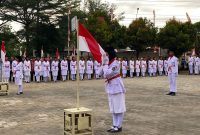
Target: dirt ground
[149,111]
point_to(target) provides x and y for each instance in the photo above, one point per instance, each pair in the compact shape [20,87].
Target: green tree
[141,34]
[197,42]
[177,36]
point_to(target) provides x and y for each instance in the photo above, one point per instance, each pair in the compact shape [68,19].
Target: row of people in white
[140,66]
[194,65]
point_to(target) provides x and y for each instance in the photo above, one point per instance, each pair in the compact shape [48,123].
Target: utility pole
[154,18]
[137,13]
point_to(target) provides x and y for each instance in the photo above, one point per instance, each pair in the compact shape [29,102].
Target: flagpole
[78,57]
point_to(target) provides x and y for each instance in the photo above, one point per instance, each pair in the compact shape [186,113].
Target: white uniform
[90,66]
[173,72]
[19,76]
[143,67]
[73,68]
[37,70]
[64,69]
[81,69]
[166,66]
[150,67]
[54,70]
[132,67]
[191,64]
[137,67]
[124,68]
[97,65]
[46,70]
[6,69]
[155,64]
[14,64]
[116,92]
[160,67]
[27,70]
[196,65]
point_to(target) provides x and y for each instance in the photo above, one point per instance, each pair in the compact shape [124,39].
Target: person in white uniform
[97,65]
[132,67]
[166,66]
[64,69]
[137,67]
[27,70]
[90,67]
[37,69]
[172,73]
[19,75]
[73,68]
[54,69]
[155,64]
[150,67]
[115,90]
[160,66]
[124,67]
[143,67]
[6,69]
[14,64]
[82,68]
[196,65]
[46,69]
[191,65]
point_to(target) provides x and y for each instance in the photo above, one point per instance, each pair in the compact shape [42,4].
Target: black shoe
[18,94]
[21,92]
[170,93]
[173,94]
[116,130]
[109,130]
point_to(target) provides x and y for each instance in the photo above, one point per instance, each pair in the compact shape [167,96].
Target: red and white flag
[57,54]
[24,53]
[87,43]
[3,52]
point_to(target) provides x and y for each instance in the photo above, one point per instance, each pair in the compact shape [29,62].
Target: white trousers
[81,76]
[27,78]
[55,78]
[191,69]
[89,76]
[64,77]
[137,74]
[73,77]
[160,73]
[37,78]
[143,74]
[131,74]
[172,81]
[118,119]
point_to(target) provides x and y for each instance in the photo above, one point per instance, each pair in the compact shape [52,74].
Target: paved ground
[149,111]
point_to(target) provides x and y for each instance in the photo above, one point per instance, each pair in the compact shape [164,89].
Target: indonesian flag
[24,53]
[3,51]
[87,43]
[57,54]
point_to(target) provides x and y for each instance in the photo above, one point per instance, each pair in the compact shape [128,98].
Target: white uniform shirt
[196,61]
[27,67]
[73,67]
[38,66]
[137,65]
[143,65]
[46,68]
[172,65]
[82,66]
[54,66]
[166,65]
[97,65]
[7,66]
[124,65]
[155,65]
[190,61]
[132,65]
[14,64]
[160,65]
[89,65]
[150,66]
[64,65]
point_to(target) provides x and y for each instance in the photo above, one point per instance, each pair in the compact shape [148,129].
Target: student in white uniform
[27,70]
[124,67]
[150,67]
[64,68]
[132,67]
[90,67]
[196,65]
[73,68]
[172,73]
[160,66]
[82,68]
[191,65]
[137,67]
[46,69]
[14,64]
[42,70]
[115,90]
[166,66]
[143,67]
[97,65]
[37,69]
[54,69]
[19,75]
[155,64]
[6,69]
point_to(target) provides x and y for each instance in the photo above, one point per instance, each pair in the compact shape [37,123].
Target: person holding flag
[115,89]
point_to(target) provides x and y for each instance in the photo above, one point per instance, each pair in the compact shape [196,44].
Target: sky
[164,10]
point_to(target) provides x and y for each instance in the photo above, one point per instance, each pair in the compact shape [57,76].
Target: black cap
[111,52]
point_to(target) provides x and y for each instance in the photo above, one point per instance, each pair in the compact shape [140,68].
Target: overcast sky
[164,9]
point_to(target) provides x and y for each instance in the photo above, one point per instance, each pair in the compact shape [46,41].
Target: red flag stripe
[3,47]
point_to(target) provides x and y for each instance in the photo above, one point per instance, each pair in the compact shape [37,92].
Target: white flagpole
[78,54]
